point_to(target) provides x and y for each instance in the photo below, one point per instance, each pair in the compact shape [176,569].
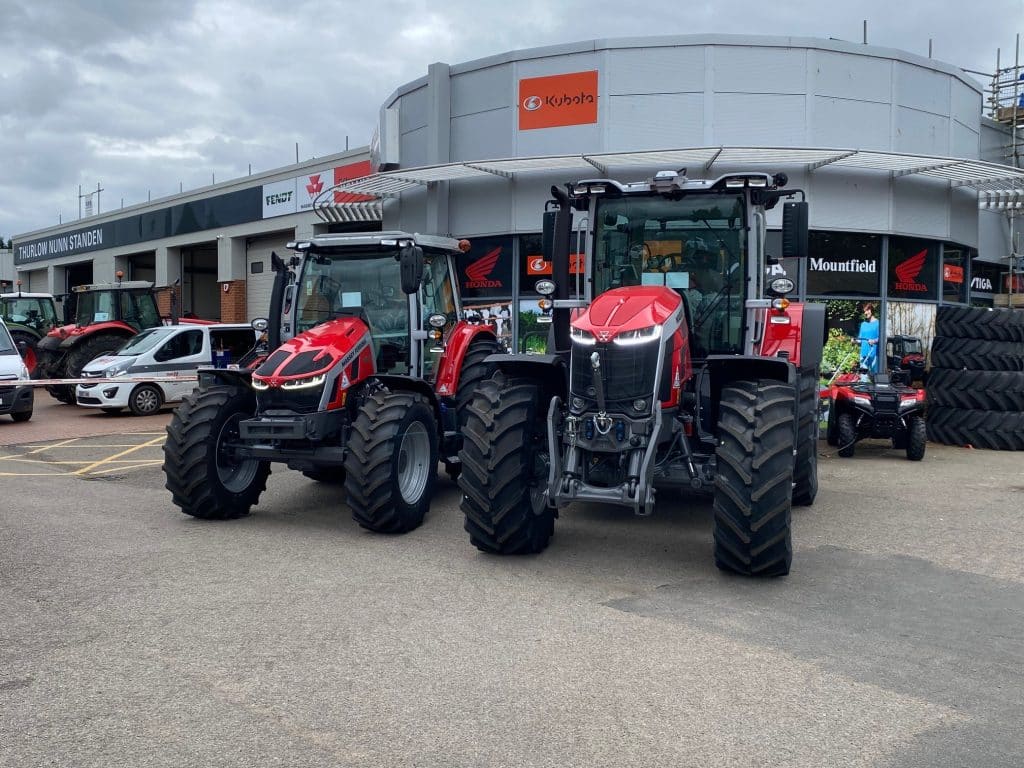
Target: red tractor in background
[369,371]
[105,317]
[674,367]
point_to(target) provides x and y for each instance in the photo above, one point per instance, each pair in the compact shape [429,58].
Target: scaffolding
[1006,106]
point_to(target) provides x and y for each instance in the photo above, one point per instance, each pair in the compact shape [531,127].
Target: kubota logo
[907,272]
[532,103]
[479,272]
[315,186]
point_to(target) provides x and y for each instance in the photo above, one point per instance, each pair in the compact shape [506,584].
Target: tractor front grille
[294,400]
[628,373]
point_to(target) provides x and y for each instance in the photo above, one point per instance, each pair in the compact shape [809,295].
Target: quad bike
[879,405]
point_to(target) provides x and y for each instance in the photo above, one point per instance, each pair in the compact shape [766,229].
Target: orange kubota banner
[554,100]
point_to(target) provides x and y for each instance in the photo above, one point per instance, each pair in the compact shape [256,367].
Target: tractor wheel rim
[413,466]
[236,476]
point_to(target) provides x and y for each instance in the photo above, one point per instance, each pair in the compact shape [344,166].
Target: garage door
[35,281]
[259,275]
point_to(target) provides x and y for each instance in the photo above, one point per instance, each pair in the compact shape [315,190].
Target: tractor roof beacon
[368,366]
[673,362]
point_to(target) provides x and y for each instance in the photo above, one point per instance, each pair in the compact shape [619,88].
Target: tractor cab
[906,354]
[362,277]
[128,302]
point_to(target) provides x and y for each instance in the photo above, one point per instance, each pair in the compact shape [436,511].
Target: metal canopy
[958,172]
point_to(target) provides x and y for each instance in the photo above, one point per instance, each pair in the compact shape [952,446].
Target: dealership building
[894,151]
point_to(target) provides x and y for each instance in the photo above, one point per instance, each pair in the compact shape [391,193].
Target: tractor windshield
[137,308]
[695,244]
[333,284]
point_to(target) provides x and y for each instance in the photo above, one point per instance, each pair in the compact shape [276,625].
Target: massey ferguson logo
[907,272]
[604,335]
[315,186]
[478,273]
[981,283]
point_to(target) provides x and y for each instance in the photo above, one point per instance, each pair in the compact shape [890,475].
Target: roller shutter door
[259,276]
[35,281]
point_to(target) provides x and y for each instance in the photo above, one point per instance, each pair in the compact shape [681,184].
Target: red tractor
[105,317]
[675,367]
[369,370]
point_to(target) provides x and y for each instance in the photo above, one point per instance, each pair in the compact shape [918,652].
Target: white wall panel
[964,141]
[759,70]
[654,121]
[410,215]
[919,88]
[851,124]
[963,216]
[966,104]
[750,120]
[655,70]
[413,112]
[484,135]
[557,65]
[863,78]
[993,236]
[921,133]
[840,199]
[481,207]
[483,89]
[920,208]
[565,140]
[413,150]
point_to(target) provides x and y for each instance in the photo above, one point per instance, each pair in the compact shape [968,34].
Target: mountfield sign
[839,276]
[557,100]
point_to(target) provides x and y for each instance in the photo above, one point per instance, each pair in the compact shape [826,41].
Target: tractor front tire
[805,473]
[31,354]
[505,468]
[205,479]
[391,462]
[753,487]
[917,438]
[847,435]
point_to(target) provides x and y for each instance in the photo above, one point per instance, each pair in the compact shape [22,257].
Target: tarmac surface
[133,635]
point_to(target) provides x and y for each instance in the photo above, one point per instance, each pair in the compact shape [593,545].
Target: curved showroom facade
[637,94]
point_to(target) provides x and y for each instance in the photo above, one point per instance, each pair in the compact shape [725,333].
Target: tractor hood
[315,351]
[635,308]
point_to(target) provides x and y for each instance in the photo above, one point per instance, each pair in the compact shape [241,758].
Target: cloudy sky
[142,96]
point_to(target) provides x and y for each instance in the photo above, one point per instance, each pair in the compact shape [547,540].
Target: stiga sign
[556,100]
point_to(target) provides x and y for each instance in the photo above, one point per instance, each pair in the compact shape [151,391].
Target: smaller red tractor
[370,366]
[106,316]
[907,354]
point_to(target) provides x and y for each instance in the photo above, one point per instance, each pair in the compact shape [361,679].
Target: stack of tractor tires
[976,384]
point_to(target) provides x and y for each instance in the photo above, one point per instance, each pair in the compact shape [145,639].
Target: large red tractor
[105,317]
[677,365]
[369,369]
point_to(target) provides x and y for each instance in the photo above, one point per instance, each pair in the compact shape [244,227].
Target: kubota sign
[556,100]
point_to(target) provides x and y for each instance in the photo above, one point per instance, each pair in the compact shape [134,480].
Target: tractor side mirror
[411,266]
[794,230]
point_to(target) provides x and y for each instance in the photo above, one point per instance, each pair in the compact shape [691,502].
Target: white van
[167,350]
[16,399]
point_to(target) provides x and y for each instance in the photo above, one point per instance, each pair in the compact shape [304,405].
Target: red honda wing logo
[907,272]
[478,273]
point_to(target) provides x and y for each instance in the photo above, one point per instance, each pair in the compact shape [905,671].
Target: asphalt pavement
[132,635]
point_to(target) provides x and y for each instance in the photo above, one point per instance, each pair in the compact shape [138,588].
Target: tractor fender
[459,341]
[797,333]
[407,384]
[549,371]
[720,370]
[233,377]
[80,333]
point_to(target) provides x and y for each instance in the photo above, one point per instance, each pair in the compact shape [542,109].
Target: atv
[879,406]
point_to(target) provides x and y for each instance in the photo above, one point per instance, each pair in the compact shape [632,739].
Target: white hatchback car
[163,351]
[16,398]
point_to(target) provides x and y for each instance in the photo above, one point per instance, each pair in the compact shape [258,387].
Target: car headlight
[641,336]
[307,383]
[581,336]
[116,370]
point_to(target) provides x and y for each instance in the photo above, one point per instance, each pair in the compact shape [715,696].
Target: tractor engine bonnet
[635,308]
[340,346]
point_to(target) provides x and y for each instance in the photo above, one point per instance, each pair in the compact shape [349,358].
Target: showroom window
[844,264]
[486,283]
[913,269]
[954,272]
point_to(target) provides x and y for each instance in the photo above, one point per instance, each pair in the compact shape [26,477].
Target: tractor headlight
[583,337]
[437,320]
[545,287]
[307,383]
[641,336]
[260,385]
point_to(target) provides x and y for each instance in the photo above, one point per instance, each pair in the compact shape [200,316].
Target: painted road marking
[121,461]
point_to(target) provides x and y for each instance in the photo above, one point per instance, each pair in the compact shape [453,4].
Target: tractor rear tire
[31,355]
[79,357]
[976,390]
[391,462]
[847,435]
[505,468]
[805,472]
[204,479]
[979,323]
[753,487]
[994,430]
[917,438]
[975,355]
